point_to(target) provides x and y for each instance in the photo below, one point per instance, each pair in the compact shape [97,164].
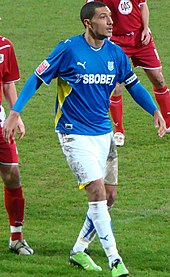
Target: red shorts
[144,56]
[8,152]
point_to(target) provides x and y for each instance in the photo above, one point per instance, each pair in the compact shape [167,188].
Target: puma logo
[105,238]
[82,64]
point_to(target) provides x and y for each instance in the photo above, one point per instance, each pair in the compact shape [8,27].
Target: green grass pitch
[55,208]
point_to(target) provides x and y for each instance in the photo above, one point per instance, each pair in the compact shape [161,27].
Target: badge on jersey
[110,66]
[42,67]
[125,7]
[1,58]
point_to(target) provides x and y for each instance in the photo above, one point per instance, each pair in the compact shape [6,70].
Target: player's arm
[31,86]
[145,36]
[10,93]
[144,99]
[10,125]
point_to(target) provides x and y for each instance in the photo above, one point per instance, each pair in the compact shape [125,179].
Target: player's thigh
[8,152]
[111,169]
[96,190]
[10,175]
[86,155]
[146,57]
[9,170]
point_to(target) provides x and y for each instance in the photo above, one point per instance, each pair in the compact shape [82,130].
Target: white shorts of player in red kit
[8,152]
[91,157]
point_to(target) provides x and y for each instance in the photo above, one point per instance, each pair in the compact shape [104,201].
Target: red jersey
[127,29]
[9,71]
[126,15]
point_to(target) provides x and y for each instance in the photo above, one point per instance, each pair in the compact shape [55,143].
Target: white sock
[87,234]
[99,214]
[14,229]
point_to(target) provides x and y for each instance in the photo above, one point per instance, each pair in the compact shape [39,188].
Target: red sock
[14,203]
[116,111]
[163,99]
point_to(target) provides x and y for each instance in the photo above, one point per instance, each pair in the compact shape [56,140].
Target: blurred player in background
[9,171]
[88,67]
[131,32]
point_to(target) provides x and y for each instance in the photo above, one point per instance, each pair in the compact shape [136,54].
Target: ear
[87,22]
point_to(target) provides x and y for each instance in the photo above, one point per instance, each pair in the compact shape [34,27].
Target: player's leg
[116,101]
[116,111]
[101,219]
[88,232]
[98,215]
[13,195]
[111,180]
[97,220]
[81,161]
[161,93]
[14,204]
[147,58]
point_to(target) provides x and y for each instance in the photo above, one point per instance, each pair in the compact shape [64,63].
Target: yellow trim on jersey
[63,90]
[82,186]
[112,92]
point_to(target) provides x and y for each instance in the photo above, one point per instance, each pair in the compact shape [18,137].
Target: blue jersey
[86,77]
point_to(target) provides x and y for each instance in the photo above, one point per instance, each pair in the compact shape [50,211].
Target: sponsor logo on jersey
[79,77]
[1,58]
[42,67]
[95,78]
[125,7]
[98,79]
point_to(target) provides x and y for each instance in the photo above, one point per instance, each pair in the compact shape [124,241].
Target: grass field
[55,208]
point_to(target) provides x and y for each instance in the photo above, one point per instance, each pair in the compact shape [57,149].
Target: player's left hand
[145,37]
[159,123]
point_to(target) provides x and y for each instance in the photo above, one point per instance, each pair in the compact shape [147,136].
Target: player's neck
[97,43]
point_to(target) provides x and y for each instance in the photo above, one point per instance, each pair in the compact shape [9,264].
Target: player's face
[101,24]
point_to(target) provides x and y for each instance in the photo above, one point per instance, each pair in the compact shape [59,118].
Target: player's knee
[117,91]
[159,81]
[96,190]
[160,84]
[11,177]
[110,194]
[111,197]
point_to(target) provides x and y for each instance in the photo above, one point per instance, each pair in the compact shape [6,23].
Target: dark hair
[88,10]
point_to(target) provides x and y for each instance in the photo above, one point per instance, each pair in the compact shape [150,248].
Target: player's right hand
[10,126]
[145,37]
[159,123]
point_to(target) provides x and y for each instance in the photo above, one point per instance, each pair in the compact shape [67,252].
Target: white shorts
[2,116]
[91,157]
